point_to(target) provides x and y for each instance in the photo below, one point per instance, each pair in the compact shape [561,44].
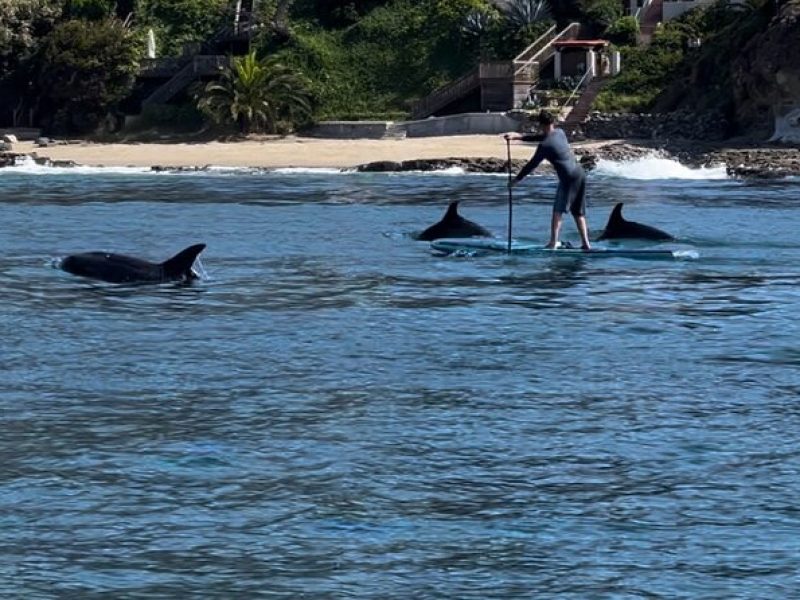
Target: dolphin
[618,228]
[118,268]
[453,225]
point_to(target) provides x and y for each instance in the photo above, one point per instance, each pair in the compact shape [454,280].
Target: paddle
[510,194]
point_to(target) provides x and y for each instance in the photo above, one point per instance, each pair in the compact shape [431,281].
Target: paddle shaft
[510,196]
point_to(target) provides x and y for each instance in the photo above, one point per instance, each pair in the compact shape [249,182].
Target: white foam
[686,254]
[656,167]
[449,171]
[26,165]
[200,270]
[309,170]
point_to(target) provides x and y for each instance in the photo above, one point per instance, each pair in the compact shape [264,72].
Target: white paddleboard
[480,246]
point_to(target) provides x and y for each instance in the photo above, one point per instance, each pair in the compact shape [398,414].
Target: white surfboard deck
[481,246]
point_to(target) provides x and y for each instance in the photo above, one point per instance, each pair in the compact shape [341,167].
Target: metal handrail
[566,31]
[445,94]
[577,87]
[642,10]
[520,57]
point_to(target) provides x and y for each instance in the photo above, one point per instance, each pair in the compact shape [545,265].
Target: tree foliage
[85,69]
[502,33]
[176,22]
[624,31]
[601,14]
[669,74]
[395,53]
[257,96]
[522,13]
[92,10]
[23,23]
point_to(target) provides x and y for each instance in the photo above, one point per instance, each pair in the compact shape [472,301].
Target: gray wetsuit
[571,193]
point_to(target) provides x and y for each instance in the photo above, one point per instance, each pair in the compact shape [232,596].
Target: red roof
[580,43]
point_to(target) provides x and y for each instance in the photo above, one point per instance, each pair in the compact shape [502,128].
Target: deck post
[591,67]
[557,64]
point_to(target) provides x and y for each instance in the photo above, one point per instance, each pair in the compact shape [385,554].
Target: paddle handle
[510,196]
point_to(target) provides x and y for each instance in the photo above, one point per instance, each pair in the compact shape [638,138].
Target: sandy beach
[749,160]
[279,153]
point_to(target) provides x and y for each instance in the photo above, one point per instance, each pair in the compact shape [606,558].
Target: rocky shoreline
[756,163]
[747,161]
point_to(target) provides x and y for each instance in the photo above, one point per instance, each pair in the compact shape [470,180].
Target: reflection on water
[333,412]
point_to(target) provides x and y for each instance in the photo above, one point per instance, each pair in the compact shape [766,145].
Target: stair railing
[446,94]
[642,10]
[577,87]
[542,44]
[536,46]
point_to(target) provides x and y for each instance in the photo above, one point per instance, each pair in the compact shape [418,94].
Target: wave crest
[657,167]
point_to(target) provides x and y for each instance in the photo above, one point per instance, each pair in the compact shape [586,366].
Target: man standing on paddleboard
[571,193]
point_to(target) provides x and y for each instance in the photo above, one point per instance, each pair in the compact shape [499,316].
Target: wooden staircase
[542,50]
[502,84]
[198,66]
[582,107]
[652,15]
[447,94]
[208,59]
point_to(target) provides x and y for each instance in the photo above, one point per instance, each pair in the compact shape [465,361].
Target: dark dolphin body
[117,268]
[453,225]
[618,228]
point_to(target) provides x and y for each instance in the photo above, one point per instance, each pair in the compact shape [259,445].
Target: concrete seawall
[461,124]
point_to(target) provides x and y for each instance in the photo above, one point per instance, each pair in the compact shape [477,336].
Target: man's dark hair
[546,118]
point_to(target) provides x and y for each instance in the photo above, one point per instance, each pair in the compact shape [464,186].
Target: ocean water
[336,413]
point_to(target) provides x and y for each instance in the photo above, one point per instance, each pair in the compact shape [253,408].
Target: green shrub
[85,69]
[91,10]
[176,22]
[395,54]
[624,31]
[601,14]
[607,101]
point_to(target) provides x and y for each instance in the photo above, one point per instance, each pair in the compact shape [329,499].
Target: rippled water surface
[335,413]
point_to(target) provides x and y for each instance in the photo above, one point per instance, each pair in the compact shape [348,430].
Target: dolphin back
[180,265]
[619,228]
[453,225]
[614,223]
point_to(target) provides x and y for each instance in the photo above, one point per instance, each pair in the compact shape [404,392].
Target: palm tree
[477,28]
[256,95]
[522,13]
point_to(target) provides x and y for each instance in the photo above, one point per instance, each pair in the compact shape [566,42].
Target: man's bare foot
[586,247]
[552,245]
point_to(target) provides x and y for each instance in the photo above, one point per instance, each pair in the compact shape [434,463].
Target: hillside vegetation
[746,51]
[69,63]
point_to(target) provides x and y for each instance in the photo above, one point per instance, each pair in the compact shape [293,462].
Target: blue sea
[334,412]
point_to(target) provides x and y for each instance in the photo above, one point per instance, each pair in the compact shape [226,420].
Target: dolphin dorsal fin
[182,262]
[616,214]
[452,209]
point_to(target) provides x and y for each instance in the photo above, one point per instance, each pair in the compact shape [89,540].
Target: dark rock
[381,166]
[588,161]
[470,165]
[177,169]
[709,126]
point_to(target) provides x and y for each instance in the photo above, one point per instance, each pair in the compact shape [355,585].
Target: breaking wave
[657,167]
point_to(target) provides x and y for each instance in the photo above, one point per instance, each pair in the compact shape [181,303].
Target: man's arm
[538,157]
[525,137]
